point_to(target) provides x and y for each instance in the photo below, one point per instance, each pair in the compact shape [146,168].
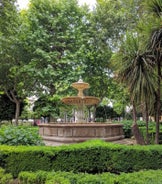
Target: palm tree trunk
[135,129]
[157,110]
[147,123]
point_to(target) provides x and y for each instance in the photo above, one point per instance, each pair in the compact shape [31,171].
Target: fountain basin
[66,133]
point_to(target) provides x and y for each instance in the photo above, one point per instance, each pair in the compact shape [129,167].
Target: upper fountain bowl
[80,99]
[80,86]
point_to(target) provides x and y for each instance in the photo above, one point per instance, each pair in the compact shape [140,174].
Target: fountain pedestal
[73,132]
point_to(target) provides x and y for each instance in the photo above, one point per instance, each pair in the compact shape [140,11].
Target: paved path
[122,141]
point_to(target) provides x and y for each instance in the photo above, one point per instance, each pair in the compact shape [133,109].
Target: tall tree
[54,38]
[108,24]
[14,81]
[135,69]
[154,8]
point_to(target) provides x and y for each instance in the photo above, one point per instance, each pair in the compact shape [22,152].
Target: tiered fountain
[81,130]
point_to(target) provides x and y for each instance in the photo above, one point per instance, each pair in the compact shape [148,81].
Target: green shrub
[27,159]
[5,178]
[32,178]
[43,177]
[96,179]
[141,177]
[20,135]
[66,178]
[92,157]
[152,132]
[127,124]
[58,180]
[127,128]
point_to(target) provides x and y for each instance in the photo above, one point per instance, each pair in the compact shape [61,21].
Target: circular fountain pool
[80,130]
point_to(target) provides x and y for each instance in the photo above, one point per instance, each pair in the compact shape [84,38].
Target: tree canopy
[46,47]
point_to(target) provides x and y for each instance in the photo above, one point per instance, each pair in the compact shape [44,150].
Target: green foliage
[127,128]
[14,81]
[90,157]
[66,178]
[5,178]
[28,178]
[141,177]
[105,112]
[127,124]
[55,36]
[25,158]
[19,135]
[47,106]
[7,108]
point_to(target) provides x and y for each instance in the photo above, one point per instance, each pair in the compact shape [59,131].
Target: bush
[23,158]
[92,157]
[43,177]
[141,177]
[5,178]
[127,128]
[20,135]
[65,178]
[127,124]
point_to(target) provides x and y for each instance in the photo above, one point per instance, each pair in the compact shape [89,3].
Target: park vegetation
[115,47]
[89,162]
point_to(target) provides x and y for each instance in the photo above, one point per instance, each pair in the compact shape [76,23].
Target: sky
[23,3]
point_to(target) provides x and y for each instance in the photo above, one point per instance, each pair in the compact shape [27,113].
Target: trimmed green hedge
[64,178]
[40,177]
[92,157]
[5,178]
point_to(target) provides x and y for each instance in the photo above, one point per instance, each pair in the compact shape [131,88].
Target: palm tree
[134,68]
[155,45]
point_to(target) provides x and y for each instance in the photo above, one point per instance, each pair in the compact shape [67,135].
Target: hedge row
[40,177]
[43,177]
[91,157]
[5,178]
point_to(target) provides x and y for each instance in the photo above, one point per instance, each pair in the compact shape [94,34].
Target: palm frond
[154,6]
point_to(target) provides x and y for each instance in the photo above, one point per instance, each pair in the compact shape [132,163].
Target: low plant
[5,178]
[20,135]
[141,177]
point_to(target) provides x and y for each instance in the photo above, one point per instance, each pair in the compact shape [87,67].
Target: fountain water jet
[80,131]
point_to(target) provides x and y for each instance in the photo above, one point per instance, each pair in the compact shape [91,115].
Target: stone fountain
[81,130]
[80,101]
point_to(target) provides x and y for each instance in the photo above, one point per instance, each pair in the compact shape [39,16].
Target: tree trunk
[135,129]
[147,123]
[157,118]
[11,95]
[17,113]
[158,103]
